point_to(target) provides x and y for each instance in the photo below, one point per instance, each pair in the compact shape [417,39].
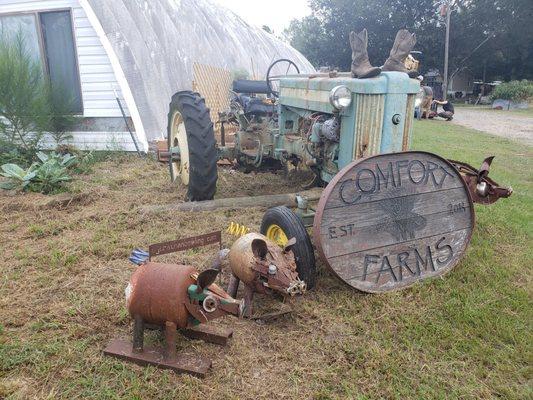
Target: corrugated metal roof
[158,41]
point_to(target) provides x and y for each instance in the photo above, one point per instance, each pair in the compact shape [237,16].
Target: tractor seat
[255,105]
[249,86]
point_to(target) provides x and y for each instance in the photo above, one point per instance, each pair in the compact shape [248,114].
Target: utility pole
[446,48]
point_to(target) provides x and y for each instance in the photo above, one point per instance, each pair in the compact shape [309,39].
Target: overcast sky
[275,13]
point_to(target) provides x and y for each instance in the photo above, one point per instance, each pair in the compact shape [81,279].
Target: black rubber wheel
[292,227]
[187,109]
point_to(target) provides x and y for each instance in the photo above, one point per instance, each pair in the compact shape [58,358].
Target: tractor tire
[281,224]
[190,127]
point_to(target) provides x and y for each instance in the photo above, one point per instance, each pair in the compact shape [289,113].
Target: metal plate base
[209,333]
[122,349]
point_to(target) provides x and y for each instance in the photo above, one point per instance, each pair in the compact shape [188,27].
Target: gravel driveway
[499,123]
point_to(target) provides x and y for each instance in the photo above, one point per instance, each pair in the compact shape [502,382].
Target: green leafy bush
[514,91]
[45,176]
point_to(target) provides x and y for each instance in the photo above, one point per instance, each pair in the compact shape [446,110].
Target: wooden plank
[409,262]
[399,210]
[398,175]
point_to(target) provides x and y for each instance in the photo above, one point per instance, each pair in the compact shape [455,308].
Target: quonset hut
[142,50]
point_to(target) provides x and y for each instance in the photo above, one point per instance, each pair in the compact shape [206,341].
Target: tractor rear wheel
[281,224]
[191,130]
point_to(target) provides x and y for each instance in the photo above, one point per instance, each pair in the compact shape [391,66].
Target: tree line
[492,38]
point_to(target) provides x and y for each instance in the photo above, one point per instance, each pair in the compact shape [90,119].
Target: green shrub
[514,90]
[29,105]
[45,176]
[23,106]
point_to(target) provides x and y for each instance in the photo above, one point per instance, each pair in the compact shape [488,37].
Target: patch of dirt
[495,122]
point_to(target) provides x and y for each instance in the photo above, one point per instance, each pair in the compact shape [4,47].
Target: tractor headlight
[340,97]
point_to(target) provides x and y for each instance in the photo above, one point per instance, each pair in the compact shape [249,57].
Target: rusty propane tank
[161,293]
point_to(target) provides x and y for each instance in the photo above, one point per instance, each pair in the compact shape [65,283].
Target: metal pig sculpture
[263,267]
[172,297]
[160,294]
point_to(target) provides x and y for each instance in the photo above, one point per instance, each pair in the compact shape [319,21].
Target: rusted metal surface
[184,244]
[388,221]
[172,297]
[209,333]
[160,293]
[482,188]
[194,365]
[263,267]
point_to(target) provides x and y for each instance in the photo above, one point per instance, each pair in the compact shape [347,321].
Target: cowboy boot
[403,44]
[361,67]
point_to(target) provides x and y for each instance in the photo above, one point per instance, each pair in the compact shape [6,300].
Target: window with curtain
[25,25]
[49,37]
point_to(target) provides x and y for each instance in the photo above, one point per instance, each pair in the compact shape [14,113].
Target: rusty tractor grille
[368,124]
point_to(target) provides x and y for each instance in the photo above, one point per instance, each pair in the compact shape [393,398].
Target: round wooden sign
[388,221]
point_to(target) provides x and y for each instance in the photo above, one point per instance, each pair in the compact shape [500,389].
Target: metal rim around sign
[388,221]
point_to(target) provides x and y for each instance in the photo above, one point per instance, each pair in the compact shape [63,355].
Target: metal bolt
[396,118]
[482,189]
[272,269]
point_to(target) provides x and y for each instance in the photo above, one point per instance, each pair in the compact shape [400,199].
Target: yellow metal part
[236,229]
[275,233]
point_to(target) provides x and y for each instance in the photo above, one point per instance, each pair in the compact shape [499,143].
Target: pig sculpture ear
[259,248]
[206,278]
[290,243]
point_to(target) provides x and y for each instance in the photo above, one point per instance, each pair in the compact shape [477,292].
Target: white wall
[96,73]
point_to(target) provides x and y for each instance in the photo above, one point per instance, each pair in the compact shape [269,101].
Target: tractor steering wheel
[270,78]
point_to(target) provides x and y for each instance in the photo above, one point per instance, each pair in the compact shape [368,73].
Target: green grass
[467,335]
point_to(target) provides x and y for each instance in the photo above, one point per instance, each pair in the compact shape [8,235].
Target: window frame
[40,38]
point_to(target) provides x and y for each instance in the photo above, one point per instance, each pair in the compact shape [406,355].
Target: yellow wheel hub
[275,233]
[178,138]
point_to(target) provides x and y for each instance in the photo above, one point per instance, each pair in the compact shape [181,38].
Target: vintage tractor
[324,121]
[355,136]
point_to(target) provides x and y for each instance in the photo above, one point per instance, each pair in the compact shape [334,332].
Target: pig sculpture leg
[170,340]
[233,286]
[248,301]
[138,334]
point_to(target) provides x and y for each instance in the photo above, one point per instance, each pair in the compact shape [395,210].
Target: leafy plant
[45,176]
[514,90]
[19,178]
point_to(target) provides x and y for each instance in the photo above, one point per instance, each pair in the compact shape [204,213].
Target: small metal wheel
[280,224]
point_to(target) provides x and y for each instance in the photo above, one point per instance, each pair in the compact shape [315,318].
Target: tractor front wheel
[191,131]
[281,224]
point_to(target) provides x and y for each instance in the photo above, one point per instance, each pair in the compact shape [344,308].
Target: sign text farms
[390,220]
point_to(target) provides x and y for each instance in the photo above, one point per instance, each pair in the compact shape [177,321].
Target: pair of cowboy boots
[361,67]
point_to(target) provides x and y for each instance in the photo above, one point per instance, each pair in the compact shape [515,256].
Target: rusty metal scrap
[160,293]
[483,189]
[263,267]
